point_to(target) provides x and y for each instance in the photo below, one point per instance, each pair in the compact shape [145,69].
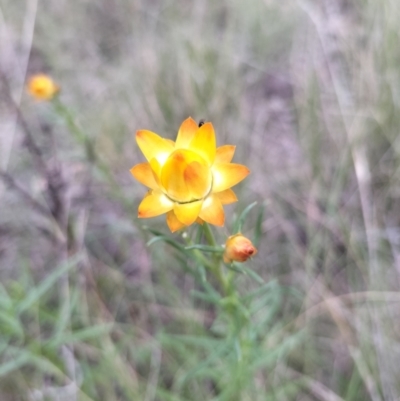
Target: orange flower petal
[173,223]
[187,213]
[204,142]
[225,154]
[227,175]
[198,179]
[186,133]
[144,174]
[226,197]
[156,170]
[154,204]
[212,211]
[153,146]
[200,221]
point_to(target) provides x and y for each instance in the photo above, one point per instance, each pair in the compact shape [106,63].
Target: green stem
[209,235]
[217,267]
[84,140]
[63,111]
[232,307]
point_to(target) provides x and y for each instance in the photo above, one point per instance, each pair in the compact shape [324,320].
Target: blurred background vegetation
[309,91]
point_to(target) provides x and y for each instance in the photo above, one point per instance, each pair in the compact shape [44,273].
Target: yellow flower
[238,248]
[42,87]
[189,179]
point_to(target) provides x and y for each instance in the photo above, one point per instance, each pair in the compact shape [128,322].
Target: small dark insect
[201,122]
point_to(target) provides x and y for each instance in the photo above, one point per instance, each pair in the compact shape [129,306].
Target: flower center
[186,177]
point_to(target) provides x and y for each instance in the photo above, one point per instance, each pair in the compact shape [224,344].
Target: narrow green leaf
[204,297]
[270,286]
[237,228]
[238,350]
[5,300]
[30,357]
[241,268]
[12,322]
[82,335]
[204,368]
[169,241]
[165,395]
[271,356]
[47,284]
[14,364]
[198,341]
[258,227]
[206,248]
[234,268]
[65,314]
[251,273]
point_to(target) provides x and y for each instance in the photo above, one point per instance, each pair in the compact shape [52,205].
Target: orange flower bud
[42,87]
[238,248]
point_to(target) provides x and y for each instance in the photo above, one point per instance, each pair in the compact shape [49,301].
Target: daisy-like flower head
[189,179]
[42,87]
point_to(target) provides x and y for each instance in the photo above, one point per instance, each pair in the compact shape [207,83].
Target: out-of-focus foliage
[309,91]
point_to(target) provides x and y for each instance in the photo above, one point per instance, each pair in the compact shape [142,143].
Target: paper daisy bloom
[238,248]
[189,179]
[42,87]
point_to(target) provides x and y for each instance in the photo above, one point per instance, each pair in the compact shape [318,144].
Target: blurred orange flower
[238,248]
[189,179]
[42,87]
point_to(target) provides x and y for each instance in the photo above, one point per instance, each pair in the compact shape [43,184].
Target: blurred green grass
[309,93]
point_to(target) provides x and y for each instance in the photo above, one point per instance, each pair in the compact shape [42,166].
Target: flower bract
[189,179]
[42,87]
[238,248]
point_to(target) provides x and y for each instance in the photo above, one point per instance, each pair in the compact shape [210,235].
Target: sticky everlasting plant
[189,179]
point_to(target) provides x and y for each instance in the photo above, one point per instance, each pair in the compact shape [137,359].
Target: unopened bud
[238,248]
